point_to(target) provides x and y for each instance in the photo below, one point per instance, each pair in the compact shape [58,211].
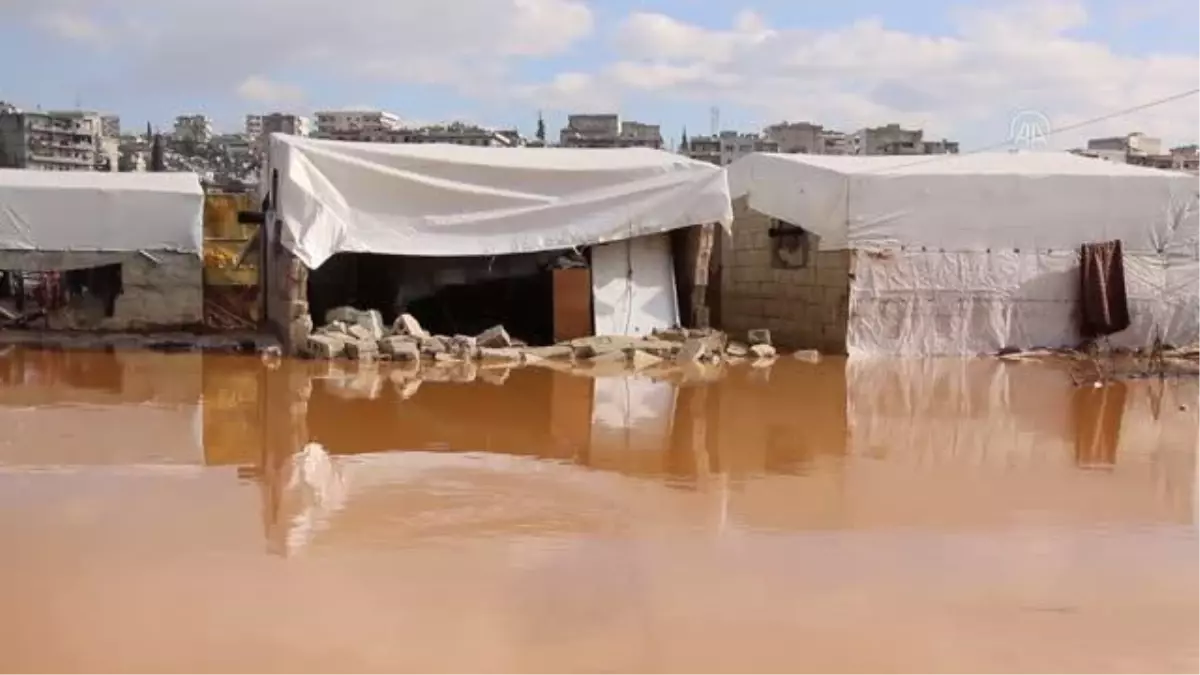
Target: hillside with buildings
[82,140]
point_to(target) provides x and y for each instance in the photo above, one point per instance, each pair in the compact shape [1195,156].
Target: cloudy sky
[959,69]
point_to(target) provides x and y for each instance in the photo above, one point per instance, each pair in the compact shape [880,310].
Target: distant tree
[149,133]
[541,129]
[157,160]
[683,141]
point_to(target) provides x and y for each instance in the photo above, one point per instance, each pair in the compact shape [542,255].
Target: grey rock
[407,324]
[360,333]
[334,328]
[432,345]
[495,336]
[372,321]
[324,346]
[614,356]
[736,349]
[551,352]
[763,351]
[640,359]
[503,354]
[400,347]
[363,350]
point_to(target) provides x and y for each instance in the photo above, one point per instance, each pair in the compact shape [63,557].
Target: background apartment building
[51,141]
[608,131]
[254,126]
[727,147]
[892,139]
[356,125]
[193,129]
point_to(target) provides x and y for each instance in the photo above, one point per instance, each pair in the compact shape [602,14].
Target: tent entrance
[448,295]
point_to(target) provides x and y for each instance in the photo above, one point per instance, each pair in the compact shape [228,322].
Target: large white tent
[450,200]
[965,254]
[92,211]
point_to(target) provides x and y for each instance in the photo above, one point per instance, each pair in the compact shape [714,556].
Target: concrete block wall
[805,308]
[285,283]
[160,290]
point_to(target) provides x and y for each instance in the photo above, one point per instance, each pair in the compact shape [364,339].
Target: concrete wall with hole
[157,290]
[783,283]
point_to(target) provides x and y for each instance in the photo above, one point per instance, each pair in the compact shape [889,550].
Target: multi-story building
[193,129]
[607,130]
[727,147]
[892,139]
[703,148]
[640,135]
[355,124]
[835,143]
[285,123]
[797,137]
[110,126]
[591,131]
[1135,143]
[459,133]
[254,126]
[49,141]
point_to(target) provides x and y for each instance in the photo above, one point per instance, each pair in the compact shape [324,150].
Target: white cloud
[1001,59]
[998,59]
[178,45]
[72,26]
[259,89]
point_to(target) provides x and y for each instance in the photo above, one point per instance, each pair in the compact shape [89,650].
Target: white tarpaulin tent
[450,200]
[100,211]
[966,254]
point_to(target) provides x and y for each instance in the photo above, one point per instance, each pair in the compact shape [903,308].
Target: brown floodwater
[174,513]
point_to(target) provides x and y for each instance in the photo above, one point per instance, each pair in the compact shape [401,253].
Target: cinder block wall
[805,308]
[285,283]
[160,290]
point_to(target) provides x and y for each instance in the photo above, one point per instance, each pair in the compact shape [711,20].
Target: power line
[1058,130]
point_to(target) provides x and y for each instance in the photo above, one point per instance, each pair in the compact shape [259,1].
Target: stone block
[324,346]
[363,350]
[495,336]
[346,315]
[762,351]
[500,354]
[407,324]
[400,348]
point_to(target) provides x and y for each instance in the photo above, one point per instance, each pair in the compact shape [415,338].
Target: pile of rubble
[361,335]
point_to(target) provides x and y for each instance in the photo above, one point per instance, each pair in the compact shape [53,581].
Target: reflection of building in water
[64,408]
[799,447]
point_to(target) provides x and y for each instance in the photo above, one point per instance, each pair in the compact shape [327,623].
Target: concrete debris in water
[352,333]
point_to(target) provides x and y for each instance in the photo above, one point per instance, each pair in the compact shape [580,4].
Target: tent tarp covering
[976,253]
[100,211]
[450,200]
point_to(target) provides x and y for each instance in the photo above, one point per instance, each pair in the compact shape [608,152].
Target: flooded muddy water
[203,513]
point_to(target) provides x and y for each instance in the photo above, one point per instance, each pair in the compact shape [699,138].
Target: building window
[790,245]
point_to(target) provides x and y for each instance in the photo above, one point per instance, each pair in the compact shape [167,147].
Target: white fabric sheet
[959,255]
[975,202]
[100,211]
[444,200]
[633,287]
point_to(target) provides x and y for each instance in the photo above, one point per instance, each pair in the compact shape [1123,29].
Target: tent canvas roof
[451,200]
[100,211]
[982,201]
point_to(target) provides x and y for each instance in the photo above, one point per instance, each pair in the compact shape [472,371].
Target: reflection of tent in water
[417,497]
